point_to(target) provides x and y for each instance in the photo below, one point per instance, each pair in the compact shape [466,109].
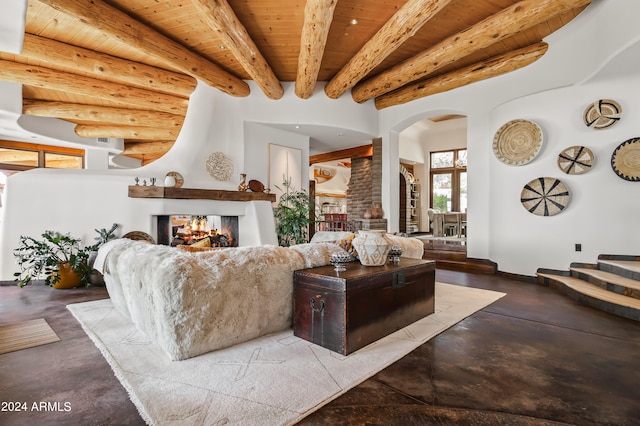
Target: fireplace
[184,229]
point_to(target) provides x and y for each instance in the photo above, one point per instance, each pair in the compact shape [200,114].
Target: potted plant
[104,235]
[292,216]
[60,258]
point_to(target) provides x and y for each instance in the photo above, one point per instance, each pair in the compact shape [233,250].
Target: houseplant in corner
[292,216]
[59,258]
[104,236]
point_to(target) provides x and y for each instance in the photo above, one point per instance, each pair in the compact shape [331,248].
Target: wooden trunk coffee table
[345,311]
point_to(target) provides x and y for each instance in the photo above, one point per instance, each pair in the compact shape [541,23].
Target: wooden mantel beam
[222,19]
[101,114]
[107,67]
[480,71]
[126,29]
[318,15]
[402,26]
[127,95]
[508,22]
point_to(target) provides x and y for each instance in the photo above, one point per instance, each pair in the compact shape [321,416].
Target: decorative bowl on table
[340,260]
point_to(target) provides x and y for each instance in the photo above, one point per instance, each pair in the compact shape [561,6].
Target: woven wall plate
[219,166]
[575,160]
[517,142]
[625,160]
[545,196]
[602,114]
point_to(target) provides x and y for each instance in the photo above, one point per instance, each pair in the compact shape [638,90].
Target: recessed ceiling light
[297,127]
[340,134]
[354,22]
[222,47]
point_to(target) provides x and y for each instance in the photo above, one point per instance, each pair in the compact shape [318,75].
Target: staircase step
[626,268]
[595,296]
[609,281]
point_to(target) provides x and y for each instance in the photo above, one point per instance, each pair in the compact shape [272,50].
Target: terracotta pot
[376,211]
[372,247]
[68,277]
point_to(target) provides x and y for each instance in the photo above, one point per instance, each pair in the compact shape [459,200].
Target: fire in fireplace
[174,230]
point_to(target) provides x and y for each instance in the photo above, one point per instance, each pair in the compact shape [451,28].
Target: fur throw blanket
[193,303]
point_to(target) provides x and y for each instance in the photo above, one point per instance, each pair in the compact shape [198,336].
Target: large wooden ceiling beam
[481,71]
[107,67]
[95,113]
[402,26]
[125,132]
[318,15]
[508,22]
[127,95]
[126,29]
[140,148]
[357,152]
[223,20]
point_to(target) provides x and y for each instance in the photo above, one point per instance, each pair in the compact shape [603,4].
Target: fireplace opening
[175,230]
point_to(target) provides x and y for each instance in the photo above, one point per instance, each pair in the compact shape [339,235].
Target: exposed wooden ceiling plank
[402,26]
[91,87]
[124,28]
[522,15]
[125,132]
[481,71]
[107,67]
[101,114]
[318,15]
[222,19]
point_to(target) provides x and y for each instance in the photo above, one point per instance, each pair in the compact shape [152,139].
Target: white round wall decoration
[219,166]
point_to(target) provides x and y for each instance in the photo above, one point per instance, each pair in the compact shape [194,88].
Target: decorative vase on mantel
[243,183]
[372,247]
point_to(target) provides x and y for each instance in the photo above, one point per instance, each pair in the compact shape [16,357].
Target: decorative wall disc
[178,177]
[602,114]
[517,142]
[575,160]
[220,166]
[545,196]
[625,160]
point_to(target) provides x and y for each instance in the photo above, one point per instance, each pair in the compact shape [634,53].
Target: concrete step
[609,281]
[594,296]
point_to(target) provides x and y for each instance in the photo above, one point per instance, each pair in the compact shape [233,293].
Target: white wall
[80,201]
[577,54]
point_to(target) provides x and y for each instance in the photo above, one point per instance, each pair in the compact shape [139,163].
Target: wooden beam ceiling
[126,68]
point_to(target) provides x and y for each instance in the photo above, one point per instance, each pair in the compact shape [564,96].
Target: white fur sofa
[193,303]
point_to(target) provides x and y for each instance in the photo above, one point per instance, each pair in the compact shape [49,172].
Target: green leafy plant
[440,202]
[104,236]
[292,216]
[43,257]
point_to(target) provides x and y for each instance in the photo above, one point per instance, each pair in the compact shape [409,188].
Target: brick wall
[365,185]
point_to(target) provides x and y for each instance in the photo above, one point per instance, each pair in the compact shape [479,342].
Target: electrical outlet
[578,247]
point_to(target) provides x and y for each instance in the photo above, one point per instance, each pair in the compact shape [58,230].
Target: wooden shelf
[136,191]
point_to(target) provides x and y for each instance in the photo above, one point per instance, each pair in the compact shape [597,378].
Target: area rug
[26,334]
[273,380]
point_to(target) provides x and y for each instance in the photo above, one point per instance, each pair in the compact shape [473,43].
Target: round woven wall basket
[545,196]
[575,160]
[517,142]
[625,160]
[602,114]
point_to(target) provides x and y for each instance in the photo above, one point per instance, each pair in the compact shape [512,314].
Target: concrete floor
[534,357]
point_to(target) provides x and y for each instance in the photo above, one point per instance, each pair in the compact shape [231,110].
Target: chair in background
[451,222]
[463,224]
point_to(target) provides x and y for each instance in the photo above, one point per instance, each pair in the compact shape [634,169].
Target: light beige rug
[273,380]
[26,334]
